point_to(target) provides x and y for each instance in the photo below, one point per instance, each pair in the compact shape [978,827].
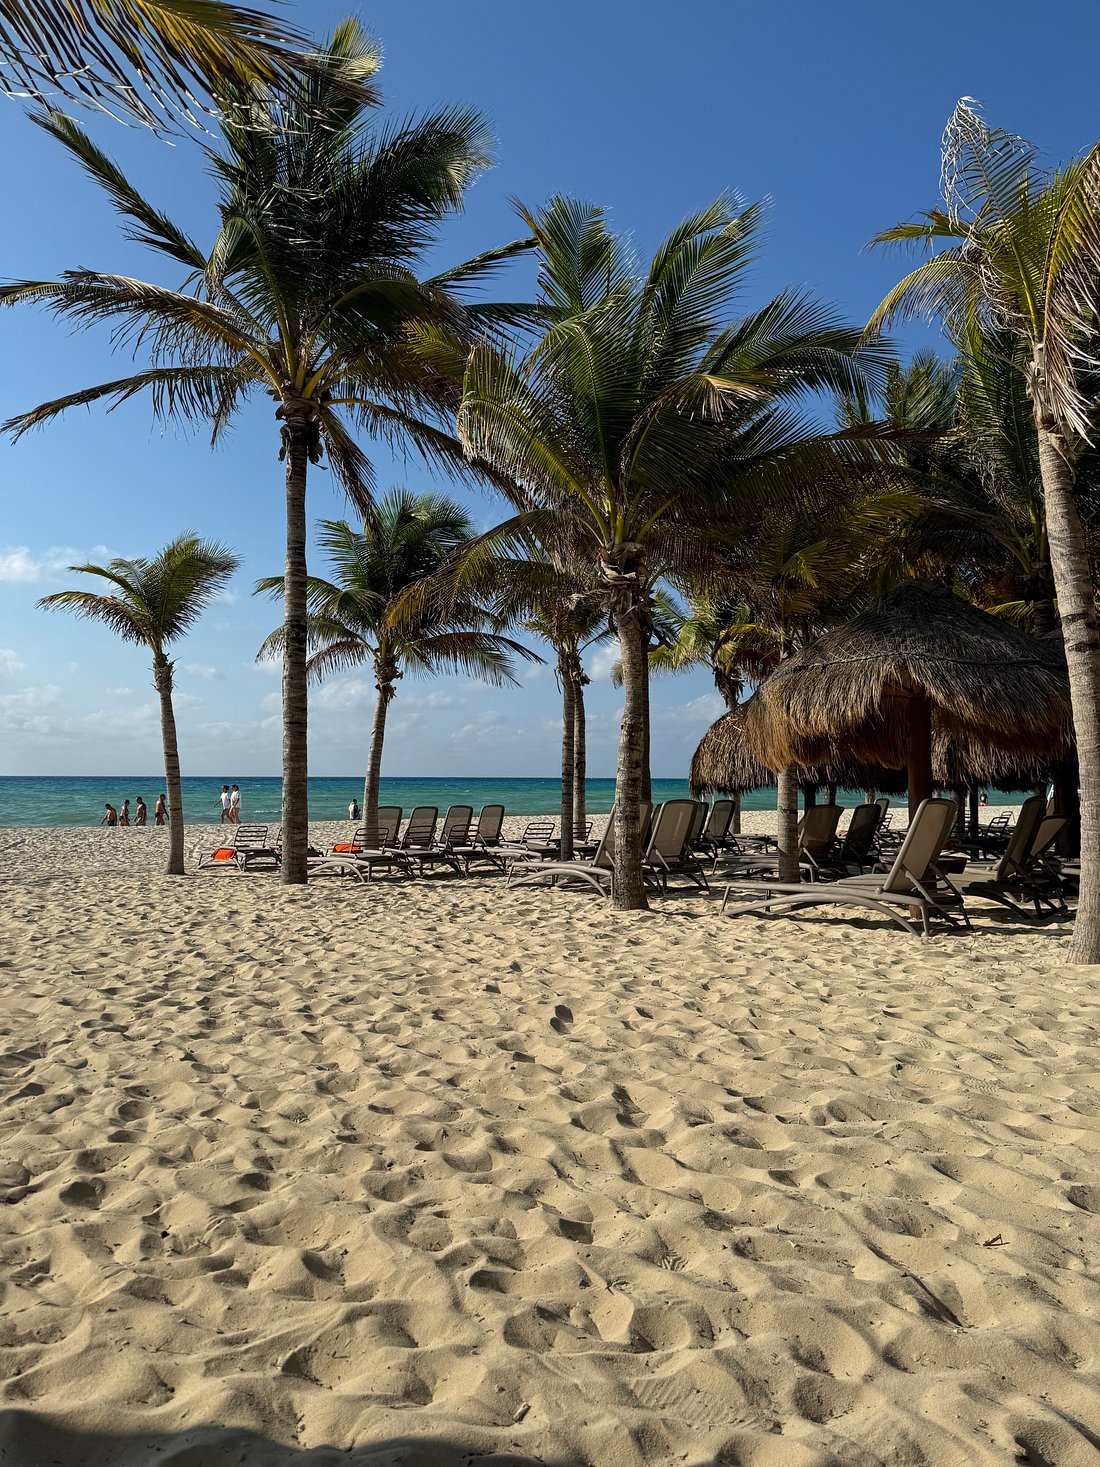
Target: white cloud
[225,598]
[601,660]
[699,713]
[20,566]
[203,670]
[9,662]
[30,711]
[342,694]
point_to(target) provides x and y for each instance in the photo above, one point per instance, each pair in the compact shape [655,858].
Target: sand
[436,1172]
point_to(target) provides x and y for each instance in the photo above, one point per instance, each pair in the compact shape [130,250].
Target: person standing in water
[124,814]
[141,812]
[160,811]
[225,805]
[353,809]
[235,805]
[111,817]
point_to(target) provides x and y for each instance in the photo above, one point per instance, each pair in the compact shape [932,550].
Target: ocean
[58,800]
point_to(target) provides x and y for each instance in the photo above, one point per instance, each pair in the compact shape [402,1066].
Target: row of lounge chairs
[919,881]
[919,878]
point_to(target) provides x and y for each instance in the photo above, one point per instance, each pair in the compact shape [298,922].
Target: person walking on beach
[160,811]
[111,817]
[141,813]
[353,809]
[235,805]
[225,805]
[124,814]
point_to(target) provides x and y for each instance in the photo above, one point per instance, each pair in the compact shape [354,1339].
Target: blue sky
[833,111]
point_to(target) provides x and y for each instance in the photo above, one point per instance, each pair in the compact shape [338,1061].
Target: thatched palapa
[921,666]
[725,764]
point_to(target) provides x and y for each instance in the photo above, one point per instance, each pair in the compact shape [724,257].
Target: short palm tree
[306,295]
[154,602]
[142,58]
[1020,252]
[366,615]
[643,420]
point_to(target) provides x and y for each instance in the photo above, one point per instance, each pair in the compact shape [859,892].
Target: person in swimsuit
[111,817]
[235,805]
[141,812]
[124,814]
[160,811]
[225,805]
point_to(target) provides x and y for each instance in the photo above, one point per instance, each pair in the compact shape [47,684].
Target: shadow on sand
[27,1440]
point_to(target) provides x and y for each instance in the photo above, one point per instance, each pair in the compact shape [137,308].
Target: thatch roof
[990,686]
[724,764]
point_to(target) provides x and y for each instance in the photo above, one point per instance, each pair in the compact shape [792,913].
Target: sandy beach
[436,1172]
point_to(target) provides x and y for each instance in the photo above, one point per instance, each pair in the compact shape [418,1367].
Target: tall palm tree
[306,294]
[142,58]
[1021,253]
[643,419]
[718,633]
[557,599]
[365,614]
[153,602]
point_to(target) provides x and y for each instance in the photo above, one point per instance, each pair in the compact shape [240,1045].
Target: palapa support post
[973,797]
[919,766]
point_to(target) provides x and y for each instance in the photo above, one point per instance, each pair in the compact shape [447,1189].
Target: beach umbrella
[920,669]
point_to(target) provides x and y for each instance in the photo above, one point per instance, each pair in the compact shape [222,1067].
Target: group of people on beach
[121,818]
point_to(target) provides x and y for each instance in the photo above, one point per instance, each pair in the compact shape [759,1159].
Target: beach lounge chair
[1024,872]
[538,839]
[597,871]
[913,884]
[715,832]
[668,850]
[816,855]
[249,845]
[485,842]
[858,846]
[419,835]
[371,845]
[454,833]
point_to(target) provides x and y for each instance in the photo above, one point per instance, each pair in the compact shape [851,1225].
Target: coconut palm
[142,58]
[153,602]
[365,615]
[643,420]
[306,295]
[557,599]
[1021,253]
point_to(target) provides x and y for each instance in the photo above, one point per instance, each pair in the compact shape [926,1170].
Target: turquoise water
[79,801]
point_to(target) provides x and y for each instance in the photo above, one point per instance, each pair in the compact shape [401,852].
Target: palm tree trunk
[735,821]
[374,756]
[629,887]
[568,737]
[162,678]
[1081,634]
[580,756]
[646,787]
[295,753]
[786,807]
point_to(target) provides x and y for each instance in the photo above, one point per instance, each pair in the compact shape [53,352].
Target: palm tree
[557,599]
[642,420]
[1022,254]
[153,602]
[141,58]
[307,295]
[367,615]
[721,635]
